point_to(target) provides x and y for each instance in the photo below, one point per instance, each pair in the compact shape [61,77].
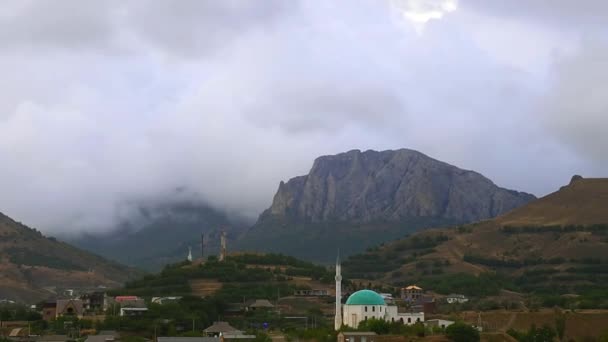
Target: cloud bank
[109,103]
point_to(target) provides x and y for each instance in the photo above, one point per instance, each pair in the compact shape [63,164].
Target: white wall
[354,314]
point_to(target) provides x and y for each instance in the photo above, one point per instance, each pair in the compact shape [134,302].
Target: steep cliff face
[389,186]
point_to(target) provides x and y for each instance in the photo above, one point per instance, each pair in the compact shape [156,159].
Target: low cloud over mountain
[108,104]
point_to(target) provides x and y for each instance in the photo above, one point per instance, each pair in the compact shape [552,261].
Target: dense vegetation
[382,327]
[376,262]
[23,256]
[460,332]
[247,275]
[319,241]
[486,284]
[597,229]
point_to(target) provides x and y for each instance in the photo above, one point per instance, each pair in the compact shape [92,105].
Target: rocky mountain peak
[389,185]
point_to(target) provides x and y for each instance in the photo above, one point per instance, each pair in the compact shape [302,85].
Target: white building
[366,304]
[456,298]
[439,323]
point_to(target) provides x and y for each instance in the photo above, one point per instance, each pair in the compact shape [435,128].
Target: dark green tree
[461,332]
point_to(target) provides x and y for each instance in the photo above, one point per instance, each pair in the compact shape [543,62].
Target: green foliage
[233,272]
[596,229]
[461,332]
[16,312]
[24,256]
[560,325]
[168,318]
[318,334]
[382,327]
[486,284]
[281,236]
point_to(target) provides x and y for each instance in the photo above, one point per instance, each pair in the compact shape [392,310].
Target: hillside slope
[32,266]
[582,202]
[357,199]
[557,243]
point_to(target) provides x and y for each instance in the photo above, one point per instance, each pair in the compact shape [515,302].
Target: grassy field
[580,324]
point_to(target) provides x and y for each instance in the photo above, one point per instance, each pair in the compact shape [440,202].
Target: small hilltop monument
[189,254]
[222,256]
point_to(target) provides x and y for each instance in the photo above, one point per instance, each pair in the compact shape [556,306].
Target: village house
[258,304]
[69,307]
[439,323]
[311,293]
[49,310]
[131,305]
[411,293]
[357,336]
[95,302]
[388,298]
[131,312]
[164,300]
[221,328]
[456,299]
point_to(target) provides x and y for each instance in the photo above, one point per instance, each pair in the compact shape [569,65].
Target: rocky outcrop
[389,186]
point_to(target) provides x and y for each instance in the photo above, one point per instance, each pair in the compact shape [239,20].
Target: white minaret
[189,253]
[338,321]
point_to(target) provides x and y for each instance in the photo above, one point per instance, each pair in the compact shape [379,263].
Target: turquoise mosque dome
[365,297]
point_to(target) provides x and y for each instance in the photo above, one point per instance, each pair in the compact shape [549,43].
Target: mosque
[366,304]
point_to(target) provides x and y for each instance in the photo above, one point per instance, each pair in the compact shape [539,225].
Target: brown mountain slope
[583,201]
[559,241]
[33,266]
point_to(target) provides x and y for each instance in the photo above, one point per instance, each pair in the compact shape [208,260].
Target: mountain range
[356,199]
[352,201]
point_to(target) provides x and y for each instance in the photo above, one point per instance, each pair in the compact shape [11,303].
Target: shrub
[461,332]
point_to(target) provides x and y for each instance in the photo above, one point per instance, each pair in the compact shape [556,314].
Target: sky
[107,104]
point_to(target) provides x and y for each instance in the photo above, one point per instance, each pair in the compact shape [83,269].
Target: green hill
[259,276]
[555,247]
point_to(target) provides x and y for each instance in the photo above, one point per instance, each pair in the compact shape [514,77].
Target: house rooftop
[222,327]
[358,333]
[261,303]
[101,338]
[188,339]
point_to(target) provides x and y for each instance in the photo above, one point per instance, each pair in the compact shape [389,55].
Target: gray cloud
[192,28]
[66,24]
[576,107]
[108,104]
[561,13]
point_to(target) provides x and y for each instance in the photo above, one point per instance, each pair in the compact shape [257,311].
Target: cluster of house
[94,303]
[219,331]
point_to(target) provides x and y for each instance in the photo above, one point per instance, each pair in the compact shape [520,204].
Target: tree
[560,325]
[461,332]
